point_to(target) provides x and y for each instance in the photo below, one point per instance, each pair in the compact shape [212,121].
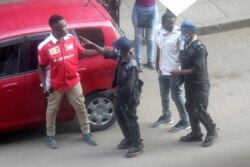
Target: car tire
[101,112]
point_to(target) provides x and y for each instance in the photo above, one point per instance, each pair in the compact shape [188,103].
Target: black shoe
[151,65]
[88,138]
[210,138]
[192,137]
[124,144]
[134,151]
[140,67]
[51,142]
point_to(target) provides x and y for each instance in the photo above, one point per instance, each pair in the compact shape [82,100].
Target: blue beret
[188,26]
[123,44]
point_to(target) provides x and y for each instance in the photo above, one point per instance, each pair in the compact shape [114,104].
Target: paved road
[229,100]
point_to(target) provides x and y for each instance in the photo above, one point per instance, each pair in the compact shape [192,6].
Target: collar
[166,32]
[194,39]
[128,57]
[54,40]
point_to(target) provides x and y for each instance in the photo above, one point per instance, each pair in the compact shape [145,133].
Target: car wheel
[100,110]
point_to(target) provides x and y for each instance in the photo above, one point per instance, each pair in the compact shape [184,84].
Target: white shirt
[170,45]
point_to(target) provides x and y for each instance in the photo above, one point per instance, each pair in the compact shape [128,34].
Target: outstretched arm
[97,48]
[106,52]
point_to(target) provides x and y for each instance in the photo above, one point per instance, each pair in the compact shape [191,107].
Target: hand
[47,92]
[85,41]
[175,72]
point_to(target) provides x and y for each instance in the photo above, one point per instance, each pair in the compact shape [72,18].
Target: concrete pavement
[210,15]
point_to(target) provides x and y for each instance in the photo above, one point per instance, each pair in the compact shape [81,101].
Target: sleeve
[200,61]
[43,58]
[111,54]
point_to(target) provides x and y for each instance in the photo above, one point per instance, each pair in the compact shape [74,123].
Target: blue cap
[123,44]
[188,26]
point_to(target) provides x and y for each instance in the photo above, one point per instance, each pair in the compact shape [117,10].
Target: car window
[32,43]
[9,57]
[33,59]
[93,34]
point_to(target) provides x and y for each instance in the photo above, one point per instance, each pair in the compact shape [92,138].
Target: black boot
[208,123]
[124,144]
[192,137]
[210,138]
[134,151]
[195,134]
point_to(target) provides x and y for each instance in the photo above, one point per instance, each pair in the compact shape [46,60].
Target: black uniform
[127,97]
[197,87]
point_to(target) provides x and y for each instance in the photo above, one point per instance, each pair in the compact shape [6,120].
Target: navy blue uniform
[197,86]
[127,96]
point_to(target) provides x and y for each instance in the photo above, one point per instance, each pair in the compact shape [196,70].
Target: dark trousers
[196,105]
[127,119]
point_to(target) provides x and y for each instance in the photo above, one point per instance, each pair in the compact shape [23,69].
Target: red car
[23,25]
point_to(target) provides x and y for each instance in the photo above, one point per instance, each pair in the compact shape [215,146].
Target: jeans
[168,84]
[149,33]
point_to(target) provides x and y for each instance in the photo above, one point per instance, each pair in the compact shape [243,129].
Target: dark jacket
[194,57]
[126,79]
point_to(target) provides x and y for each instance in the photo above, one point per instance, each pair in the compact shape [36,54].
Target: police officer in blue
[195,75]
[127,88]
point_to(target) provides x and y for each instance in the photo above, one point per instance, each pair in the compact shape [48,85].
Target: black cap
[188,26]
[123,44]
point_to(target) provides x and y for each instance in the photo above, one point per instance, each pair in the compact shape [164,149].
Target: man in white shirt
[168,50]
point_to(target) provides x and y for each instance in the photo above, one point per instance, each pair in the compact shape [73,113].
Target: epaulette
[196,44]
[132,63]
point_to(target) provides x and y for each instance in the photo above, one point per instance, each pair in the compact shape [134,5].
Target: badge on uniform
[68,47]
[53,51]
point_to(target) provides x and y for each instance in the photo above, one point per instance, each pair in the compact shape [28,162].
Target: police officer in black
[127,88]
[195,75]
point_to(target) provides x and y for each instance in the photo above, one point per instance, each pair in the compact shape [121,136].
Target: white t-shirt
[170,45]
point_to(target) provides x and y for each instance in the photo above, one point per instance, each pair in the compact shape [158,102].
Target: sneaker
[140,67]
[162,121]
[124,144]
[210,138]
[88,138]
[151,65]
[134,151]
[192,137]
[180,126]
[51,142]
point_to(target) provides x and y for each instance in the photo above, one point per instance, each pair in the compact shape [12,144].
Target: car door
[35,99]
[96,72]
[12,106]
